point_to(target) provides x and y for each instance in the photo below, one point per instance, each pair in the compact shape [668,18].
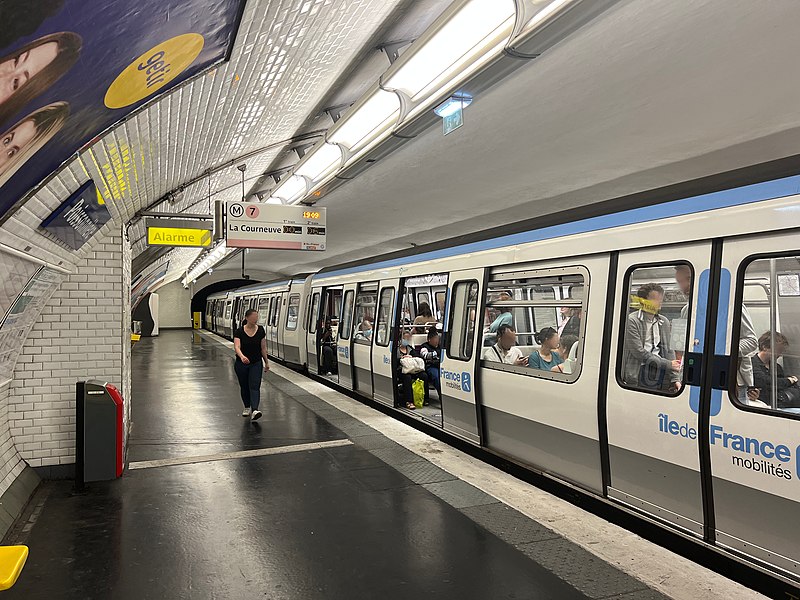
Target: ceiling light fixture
[453,104]
[212,257]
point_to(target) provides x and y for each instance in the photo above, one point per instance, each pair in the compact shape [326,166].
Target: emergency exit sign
[453,121]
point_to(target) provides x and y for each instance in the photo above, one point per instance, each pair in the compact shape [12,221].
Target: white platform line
[190,460]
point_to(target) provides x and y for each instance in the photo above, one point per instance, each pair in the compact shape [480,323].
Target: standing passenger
[504,318]
[650,362]
[250,344]
[425,317]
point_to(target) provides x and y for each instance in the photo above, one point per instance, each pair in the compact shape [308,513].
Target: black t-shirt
[251,346]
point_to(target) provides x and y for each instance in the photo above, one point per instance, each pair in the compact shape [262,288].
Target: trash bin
[99,435]
[197,320]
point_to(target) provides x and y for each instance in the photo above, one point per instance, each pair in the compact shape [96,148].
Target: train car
[648,357]
[218,313]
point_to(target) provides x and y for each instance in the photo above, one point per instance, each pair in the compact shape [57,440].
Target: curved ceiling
[650,94]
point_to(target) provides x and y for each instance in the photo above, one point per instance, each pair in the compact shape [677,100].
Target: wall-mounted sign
[169,232]
[274,226]
[78,218]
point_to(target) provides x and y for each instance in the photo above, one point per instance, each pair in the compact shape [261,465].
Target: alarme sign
[274,226]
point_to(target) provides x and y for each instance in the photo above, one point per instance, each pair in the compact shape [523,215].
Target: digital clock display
[310,215]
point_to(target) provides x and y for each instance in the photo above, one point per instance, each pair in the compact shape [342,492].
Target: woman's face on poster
[14,141]
[17,70]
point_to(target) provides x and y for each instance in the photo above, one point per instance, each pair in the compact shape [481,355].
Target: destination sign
[187,234]
[274,226]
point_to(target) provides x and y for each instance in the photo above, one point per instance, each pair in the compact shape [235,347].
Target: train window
[767,355]
[292,312]
[276,309]
[441,298]
[385,307]
[312,325]
[347,315]
[228,306]
[364,321]
[462,320]
[263,309]
[534,322]
[655,333]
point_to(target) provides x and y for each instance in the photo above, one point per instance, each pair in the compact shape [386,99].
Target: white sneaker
[256,415]
[246,412]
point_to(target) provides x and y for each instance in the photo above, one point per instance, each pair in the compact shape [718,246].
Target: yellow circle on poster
[153,70]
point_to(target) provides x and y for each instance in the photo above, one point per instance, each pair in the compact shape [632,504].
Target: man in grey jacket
[649,361]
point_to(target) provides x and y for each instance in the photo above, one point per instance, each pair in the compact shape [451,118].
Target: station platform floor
[323,498]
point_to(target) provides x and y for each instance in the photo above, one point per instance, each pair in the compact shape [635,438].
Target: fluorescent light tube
[367,121]
[320,162]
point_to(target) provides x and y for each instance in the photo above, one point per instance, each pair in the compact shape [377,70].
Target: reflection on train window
[462,320]
[533,323]
[292,312]
[312,326]
[347,315]
[655,329]
[273,321]
[385,317]
[263,309]
[767,354]
[364,322]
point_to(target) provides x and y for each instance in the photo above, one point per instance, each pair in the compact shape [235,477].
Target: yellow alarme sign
[174,236]
[153,70]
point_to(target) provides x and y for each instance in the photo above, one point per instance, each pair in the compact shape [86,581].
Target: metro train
[676,399]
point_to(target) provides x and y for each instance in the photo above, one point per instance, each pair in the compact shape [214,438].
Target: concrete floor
[327,523]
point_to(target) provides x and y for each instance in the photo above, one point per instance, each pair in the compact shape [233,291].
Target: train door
[289,327]
[755,423]
[329,323]
[382,349]
[311,331]
[272,347]
[459,406]
[280,319]
[344,343]
[263,313]
[363,335]
[654,382]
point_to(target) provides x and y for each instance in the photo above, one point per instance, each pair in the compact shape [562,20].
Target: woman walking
[250,342]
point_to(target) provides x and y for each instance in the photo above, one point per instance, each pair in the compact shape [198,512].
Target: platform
[311,502]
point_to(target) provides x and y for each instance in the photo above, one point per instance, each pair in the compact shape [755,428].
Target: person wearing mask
[649,361]
[250,344]
[546,358]
[787,392]
[431,354]
[365,328]
[406,349]
[425,317]
[505,350]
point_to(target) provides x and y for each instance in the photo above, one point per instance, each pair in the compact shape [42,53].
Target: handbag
[411,364]
[418,389]
[789,397]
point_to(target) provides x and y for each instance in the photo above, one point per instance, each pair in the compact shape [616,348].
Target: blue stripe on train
[723,199]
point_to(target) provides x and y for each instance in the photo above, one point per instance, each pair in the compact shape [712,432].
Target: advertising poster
[70,69]
[79,217]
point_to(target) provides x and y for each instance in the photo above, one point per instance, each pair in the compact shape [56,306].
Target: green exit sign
[453,121]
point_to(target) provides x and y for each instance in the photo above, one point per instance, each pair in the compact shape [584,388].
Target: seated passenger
[504,318]
[566,344]
[649,361]
[546,358]
[406,349]
[365,328]
[788,392]
[505,350]
[431,354]
[425,317]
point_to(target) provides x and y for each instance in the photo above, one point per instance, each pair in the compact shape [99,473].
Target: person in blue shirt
[546,358]
[432,354]
[505,317]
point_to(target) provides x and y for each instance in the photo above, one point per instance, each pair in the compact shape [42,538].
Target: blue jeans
[433,377]
[249,382]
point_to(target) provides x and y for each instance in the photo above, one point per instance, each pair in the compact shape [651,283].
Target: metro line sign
[275,226]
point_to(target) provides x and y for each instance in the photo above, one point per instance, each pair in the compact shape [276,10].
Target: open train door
[458,366]
[311,331]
